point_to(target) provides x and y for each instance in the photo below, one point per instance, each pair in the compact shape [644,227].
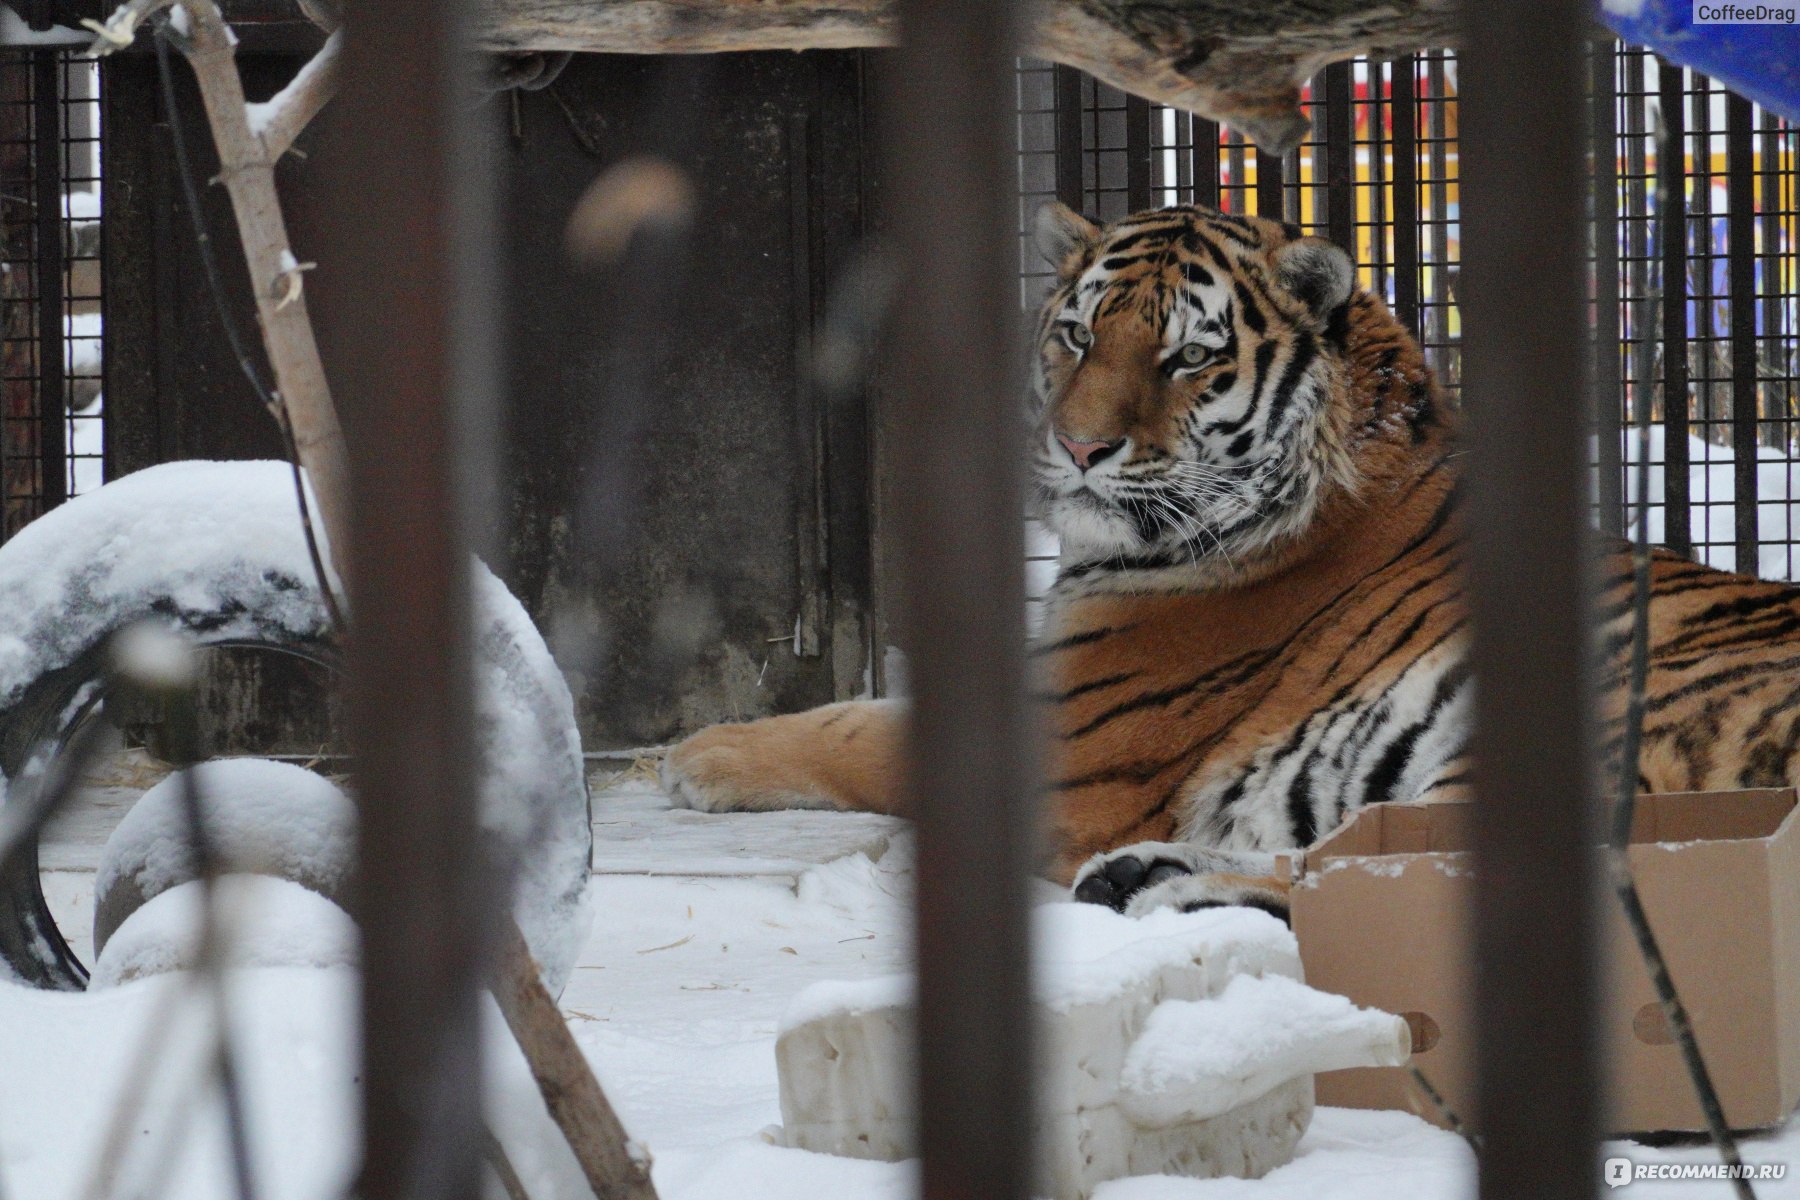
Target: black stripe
[1092,685]
[1252,313]
[1379,786]
[1086,637]
[1305,350]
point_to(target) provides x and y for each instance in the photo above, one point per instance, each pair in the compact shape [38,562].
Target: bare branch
[281,118]
[613,1165]
[246,167]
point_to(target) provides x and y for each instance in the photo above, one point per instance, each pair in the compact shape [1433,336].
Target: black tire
[239,575]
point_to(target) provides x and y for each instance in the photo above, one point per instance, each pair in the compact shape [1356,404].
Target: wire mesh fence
[1378,172]
[51,418]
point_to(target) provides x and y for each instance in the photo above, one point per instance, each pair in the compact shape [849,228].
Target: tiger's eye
[1193,354]
[1081,335]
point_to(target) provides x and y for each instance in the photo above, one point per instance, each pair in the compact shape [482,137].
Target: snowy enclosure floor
[705,928]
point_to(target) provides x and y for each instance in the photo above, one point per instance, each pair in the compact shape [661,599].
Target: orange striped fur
[1242,649]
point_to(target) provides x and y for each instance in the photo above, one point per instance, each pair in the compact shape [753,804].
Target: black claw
[1095,889]
[1126,874]
[1164,869]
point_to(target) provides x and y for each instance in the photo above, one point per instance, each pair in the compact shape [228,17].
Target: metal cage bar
[407,225]
[1340,155]
[1137,153]
[52,434]
[1528,561]
[970,774]
[1404,107]
[1603,106]
[1672,178]
[1740,150]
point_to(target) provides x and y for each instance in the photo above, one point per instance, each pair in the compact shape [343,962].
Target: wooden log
[1239,63]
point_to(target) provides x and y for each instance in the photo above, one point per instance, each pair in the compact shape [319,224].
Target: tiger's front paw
[1151,875]
[740,768]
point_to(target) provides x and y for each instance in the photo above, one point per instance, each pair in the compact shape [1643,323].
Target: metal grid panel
[1393,196]
[1723,458]
[51,418]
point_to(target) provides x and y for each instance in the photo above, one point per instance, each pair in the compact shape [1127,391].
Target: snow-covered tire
[216,549]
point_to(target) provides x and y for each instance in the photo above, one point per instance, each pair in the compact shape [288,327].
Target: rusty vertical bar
[1671,169]
[1609,395]
[1740,233]
[958,443]
[407,254]
[1340,154]
[1404,106]
[1068,136]
[47,172]
[1529,565]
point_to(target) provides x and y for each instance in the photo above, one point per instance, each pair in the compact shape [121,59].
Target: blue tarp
[1758,61]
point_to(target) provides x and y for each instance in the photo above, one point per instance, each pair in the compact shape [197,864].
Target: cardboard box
[1381,906]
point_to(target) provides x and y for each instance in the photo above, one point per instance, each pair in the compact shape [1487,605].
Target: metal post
[1524,346]
[1740,183]
[1671,169]
[958,444]
[47,171]
[406,262]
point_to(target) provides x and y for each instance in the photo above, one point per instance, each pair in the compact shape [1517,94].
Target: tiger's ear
[1319,272]
[1062,233]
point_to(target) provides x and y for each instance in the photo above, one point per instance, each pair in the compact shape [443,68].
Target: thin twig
[1625,807]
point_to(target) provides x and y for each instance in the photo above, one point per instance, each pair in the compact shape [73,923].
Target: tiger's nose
[1086,454]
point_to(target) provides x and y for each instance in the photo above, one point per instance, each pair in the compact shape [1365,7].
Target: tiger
[1259,623]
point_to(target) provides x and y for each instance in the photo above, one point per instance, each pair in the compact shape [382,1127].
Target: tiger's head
[1189,379]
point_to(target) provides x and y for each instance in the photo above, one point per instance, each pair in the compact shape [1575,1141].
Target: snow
[263,817]
[209,536]
[1200,1058]
[81,206]
[1087,953]
[1712,517]
[217,547]
[267,922]
[83,334]
[15,32]
[677,999]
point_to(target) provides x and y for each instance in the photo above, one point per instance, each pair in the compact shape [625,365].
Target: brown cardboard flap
[1711,816]
[1397,829]
[1447,828]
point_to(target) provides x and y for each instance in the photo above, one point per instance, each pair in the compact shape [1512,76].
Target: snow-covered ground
[1712,516]
[706,928]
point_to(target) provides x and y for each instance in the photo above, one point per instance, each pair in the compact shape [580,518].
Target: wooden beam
[1231,62]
